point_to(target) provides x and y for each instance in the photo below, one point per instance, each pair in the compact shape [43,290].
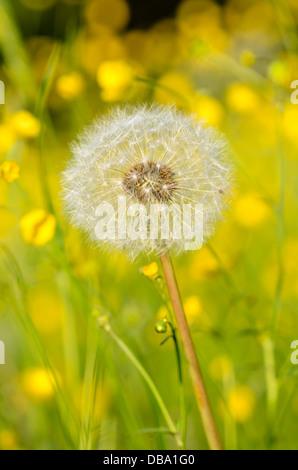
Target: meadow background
[67,383]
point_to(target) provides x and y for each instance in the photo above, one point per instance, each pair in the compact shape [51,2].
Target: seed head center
[150,182]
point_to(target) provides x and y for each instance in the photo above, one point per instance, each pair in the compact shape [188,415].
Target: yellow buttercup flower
[70,86]
[209,109]
[241,403]
[251,211]
[25,124]
[220,367]
[10,171]
[192,308]
[36,383]
[114,77]
[38,227]
[151,271]
[242,99]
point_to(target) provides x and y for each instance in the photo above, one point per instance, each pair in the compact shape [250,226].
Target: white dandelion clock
[143,179]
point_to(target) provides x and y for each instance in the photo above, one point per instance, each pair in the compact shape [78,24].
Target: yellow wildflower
[36,383]
[209,109]
[114,77]
[70,86]
[242,99]
[38,227]
[241,403]
[10,171]
[25,124]
[192,308]
[151,270]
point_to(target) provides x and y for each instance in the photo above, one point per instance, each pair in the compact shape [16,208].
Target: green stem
[150,383]
[181,387]
[195,372]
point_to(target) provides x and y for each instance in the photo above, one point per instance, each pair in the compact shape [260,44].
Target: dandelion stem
[196,375]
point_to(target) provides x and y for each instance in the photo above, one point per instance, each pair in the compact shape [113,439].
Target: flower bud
[161,327]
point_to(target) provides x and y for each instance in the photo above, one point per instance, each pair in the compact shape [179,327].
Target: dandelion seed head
[151,155]
[145,181]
